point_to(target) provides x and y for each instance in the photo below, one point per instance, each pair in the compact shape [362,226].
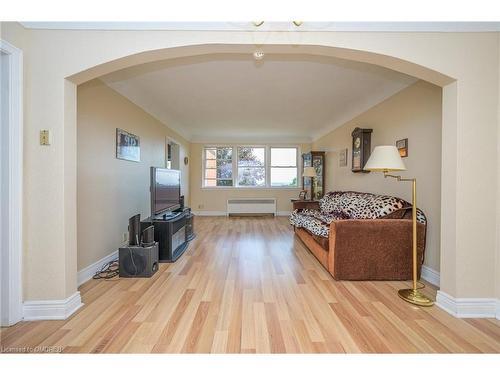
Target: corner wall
[413,113]
[111,190]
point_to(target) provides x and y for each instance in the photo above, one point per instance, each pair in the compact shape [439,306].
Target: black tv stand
[172,232]
[168,216]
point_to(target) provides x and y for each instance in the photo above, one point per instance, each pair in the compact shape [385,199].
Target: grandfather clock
[314,159]
[361,148]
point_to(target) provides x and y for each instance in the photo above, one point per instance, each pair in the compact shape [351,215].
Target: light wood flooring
[248,285]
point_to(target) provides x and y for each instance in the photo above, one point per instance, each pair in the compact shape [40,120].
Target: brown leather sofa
[355,248]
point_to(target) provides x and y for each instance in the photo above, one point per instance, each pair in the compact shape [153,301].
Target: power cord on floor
[108,271]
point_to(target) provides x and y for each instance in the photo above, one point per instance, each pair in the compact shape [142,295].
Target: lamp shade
[385,158]
[309,172]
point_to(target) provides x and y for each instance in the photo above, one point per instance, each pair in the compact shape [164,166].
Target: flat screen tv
[165,190]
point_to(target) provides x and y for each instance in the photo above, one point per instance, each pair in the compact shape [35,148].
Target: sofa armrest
[378,249]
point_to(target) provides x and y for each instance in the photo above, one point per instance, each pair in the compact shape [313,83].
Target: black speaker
[148,236]
[134,230]
[181,202]
[138,261]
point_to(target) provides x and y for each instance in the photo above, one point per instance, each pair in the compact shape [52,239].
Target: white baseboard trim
[88,272]
[430,275]
[52,309]
[468,307]
[283,213]
[210,213]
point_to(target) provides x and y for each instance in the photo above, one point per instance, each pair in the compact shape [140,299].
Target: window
[284,166]
[251,166]
[218,166]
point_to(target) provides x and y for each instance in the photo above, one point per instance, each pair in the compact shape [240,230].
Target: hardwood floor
[247,285]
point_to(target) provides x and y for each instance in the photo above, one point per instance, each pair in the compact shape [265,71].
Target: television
[165,190]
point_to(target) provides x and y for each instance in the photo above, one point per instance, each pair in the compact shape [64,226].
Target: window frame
[236,166]
[204,167]
[298,174]
[267,166]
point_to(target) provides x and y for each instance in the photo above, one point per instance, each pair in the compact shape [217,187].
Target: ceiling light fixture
[258,55]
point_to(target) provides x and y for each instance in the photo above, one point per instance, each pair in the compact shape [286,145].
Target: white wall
[465,64]
[413,113]
[111,190]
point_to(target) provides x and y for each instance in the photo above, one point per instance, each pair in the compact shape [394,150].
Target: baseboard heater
[251,206]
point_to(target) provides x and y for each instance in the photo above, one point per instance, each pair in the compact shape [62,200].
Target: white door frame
[11,283]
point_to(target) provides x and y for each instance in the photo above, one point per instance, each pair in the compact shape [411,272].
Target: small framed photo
[343,158]
[128,146]
[303,195]
[402,146]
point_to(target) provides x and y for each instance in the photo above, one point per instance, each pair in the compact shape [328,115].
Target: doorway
[173,155]
[10,184]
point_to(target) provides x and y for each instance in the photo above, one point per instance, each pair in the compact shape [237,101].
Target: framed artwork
[303,195]
[127,146]
[402,146]
[343,158]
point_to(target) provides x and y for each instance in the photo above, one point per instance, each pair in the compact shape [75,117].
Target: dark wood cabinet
[314,159]
[301,204]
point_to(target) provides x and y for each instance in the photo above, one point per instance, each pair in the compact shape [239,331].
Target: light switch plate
[44,137]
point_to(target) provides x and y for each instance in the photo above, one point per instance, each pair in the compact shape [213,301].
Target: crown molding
[266,139]
[273,26]
[358,110]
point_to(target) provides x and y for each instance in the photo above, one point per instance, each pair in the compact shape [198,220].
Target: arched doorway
[170,53]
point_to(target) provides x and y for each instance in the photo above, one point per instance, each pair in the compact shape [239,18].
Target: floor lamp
[387,159]
[310,172]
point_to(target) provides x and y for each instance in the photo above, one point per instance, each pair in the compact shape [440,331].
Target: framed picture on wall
[343,158]
[128,146]
[402,146]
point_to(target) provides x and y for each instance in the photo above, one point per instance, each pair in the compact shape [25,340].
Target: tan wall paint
[111,190]
[413,113]
[470,118]
[215,199]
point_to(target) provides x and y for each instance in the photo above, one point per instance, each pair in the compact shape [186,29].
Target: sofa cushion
[314,221]
[357,205]
[369,206]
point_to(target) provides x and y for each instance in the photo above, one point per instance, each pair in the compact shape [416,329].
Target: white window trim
[204,164]
[297,159]
[267,166]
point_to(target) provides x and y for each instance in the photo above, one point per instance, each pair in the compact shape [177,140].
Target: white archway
[196,50]
[464,64]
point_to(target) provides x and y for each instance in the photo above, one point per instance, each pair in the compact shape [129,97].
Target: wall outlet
[45,137]
[125,237]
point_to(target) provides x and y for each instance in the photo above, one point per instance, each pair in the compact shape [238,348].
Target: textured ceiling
[231,97]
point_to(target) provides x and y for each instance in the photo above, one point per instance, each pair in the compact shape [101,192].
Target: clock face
[357,142]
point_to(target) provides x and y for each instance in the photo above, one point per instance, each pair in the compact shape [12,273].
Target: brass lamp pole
[385,159]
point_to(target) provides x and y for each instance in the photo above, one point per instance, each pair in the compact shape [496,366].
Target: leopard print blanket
[341,205]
